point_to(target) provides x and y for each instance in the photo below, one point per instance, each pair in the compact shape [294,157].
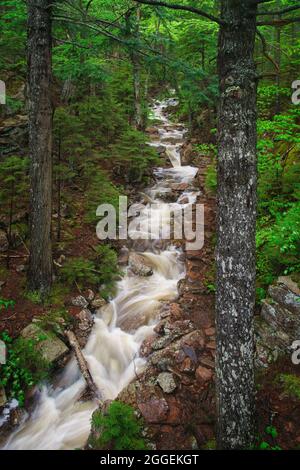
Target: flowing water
[59,419]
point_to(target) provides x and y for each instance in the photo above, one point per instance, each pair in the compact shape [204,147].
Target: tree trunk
[136,66]
[40,143]
[236,219]
[278,60]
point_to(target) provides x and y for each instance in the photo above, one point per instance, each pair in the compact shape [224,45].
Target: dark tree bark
[136,66]
[236,220]
[278,61]
[40,143]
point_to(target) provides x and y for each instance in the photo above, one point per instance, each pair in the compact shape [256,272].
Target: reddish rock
[146,347]
[155,410]
[210,331]
[180,186]
[203,374]
[175,311]
[175,412]
[211,345]
[187,366]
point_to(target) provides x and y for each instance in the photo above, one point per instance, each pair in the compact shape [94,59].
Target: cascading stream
[59,420]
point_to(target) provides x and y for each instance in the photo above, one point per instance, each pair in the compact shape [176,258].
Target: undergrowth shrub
[101,271]
[118,428]
[79,271]
[24,367]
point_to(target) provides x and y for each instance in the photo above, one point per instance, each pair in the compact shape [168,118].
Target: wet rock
[289,283]
[172,140]
[187,154]
[184,200]
[285,298]
[279,323]
[152,130]
[84,325]
[123,256]
[160,149]
[146,348]
[79,301]
[166,382]
[155,410]
[98,302]
[52,348]
[90,295]
[180,186]
[138,266]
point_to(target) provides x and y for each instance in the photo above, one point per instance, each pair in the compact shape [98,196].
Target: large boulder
[278,325]
[51,347]
[138,265]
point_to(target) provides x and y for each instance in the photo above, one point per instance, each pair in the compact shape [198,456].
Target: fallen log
[83,365]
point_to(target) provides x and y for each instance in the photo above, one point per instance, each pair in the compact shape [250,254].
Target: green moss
[291,384]
[210,445]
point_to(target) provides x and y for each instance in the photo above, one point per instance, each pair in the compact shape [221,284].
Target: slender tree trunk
[236,221]
[40,143]
[135,59]
[278,60]
[58,233]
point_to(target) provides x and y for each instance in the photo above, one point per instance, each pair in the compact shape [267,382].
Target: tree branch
[279,22]
[175,6]
[265,50]
[280,12]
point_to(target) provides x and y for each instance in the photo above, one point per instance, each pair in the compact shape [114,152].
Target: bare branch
[265,50]
[175,6]
[279,22]
[280,12]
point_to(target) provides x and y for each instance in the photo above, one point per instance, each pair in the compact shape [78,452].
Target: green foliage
[291,384]
[100,191]
[24,367]
[132,156]
[119,429]
[101,271]
[34,296]
[267,96]
[14,189]
[278,229]
[106,262]
[269,441]
[210,445]
[6,303]
[211,178]
[79,271]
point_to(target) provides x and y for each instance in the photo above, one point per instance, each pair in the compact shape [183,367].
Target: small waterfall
[59,420]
